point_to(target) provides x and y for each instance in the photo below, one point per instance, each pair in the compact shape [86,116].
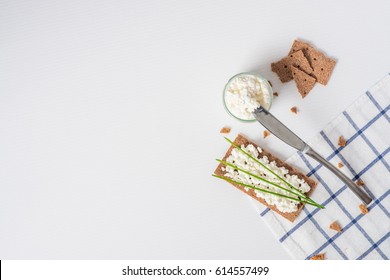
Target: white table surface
[110,114]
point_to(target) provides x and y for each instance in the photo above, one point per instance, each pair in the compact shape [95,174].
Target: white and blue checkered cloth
[366,126]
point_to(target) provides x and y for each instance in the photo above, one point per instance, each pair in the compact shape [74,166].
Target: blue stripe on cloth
[377,104]
[309,215]
[356,176]
[329,241]
[327,140]
[368,142]
[380,205]
[353,222]
[327,237]
[264,212]
[326,202]
[338,202]
[387,235]
[353,137]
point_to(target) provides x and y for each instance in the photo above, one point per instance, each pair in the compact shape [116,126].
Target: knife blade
[279,129]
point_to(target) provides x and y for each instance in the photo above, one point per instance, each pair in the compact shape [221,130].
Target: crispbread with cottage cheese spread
[241,140]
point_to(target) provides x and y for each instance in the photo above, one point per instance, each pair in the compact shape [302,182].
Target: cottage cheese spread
[240,160]
[244,93]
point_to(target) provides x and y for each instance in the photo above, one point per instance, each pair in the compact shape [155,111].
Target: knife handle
[350,184]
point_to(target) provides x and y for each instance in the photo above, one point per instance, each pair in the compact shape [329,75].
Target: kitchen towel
[366,127]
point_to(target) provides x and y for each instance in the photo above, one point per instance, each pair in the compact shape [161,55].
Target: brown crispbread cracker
[303,81]
[299,45]
[283,67]
[300,61]
[241,140]
[321,64]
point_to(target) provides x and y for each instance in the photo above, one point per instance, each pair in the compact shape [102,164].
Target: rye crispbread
[241,140]
[283,67]
[303,81]
[322,65]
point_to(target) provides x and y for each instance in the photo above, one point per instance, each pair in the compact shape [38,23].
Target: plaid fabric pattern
[366,126]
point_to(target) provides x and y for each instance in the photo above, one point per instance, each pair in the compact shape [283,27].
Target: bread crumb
[266,133]
[360,182]
[335,226]
[340,165]
[225,130]
[294,110]
[276,94]
[318,257]
[363,209]
[342,141]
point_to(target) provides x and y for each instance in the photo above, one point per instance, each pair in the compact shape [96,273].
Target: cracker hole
[322,69]
[285,66]
[299,66]
[305,80]
[291,55]
[315,58]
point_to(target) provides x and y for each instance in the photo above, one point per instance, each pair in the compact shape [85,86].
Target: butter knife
[286,135]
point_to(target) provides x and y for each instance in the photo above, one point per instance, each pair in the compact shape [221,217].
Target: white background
[109,269]
[110,114]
